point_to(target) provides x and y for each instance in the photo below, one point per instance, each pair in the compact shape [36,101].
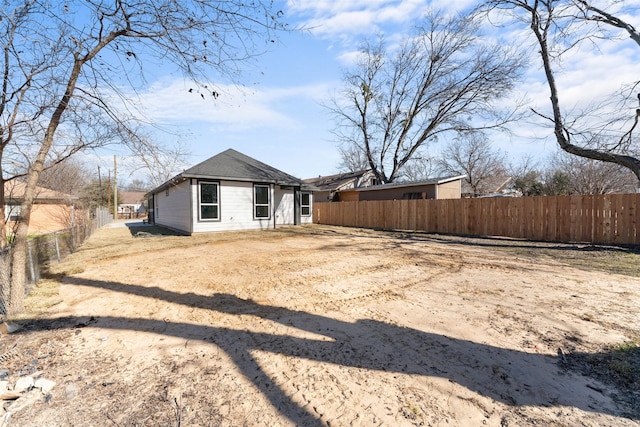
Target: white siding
[173,207]
[284,207]
[181,207]
[236,209]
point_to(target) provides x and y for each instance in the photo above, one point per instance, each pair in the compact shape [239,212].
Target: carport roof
[432,181]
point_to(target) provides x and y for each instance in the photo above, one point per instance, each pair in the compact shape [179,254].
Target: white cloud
[237,107]
[340,20]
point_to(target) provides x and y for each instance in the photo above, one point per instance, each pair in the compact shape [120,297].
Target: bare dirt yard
[316,326]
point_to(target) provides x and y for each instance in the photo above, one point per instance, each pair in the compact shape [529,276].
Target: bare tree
[138,185]
[419,168]
[526,177]
[473,156]
[69,176]
[64,66]
[590,12]
[588,176]
[160,162]
[563,173]
[443,80]
[353,159]
[558,26]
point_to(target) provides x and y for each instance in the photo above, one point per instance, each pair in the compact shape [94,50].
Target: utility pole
[109,191]
[115,190]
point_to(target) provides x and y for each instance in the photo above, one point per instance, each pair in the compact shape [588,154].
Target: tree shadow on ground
[507,242]
[617,259]
[512,377]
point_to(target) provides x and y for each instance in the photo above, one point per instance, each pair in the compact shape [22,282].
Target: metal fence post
[5,277]
[55,239]
[32,268]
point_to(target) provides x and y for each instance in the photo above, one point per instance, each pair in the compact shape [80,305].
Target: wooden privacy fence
[611,218]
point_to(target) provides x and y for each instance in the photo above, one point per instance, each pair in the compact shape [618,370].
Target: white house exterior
[230,191]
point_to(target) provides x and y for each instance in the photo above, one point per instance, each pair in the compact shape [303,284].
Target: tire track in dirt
[351,328]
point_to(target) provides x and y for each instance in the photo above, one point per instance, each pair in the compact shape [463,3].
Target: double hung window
[261,201]
[305,204]
[209,201]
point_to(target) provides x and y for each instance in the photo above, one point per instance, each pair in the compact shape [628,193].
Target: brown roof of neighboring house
[491,185]
[335,182]
[131,197]
[14,191]
[430,181]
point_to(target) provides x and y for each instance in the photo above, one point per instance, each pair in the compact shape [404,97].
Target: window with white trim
[305,204]
[209,198]
[261,201]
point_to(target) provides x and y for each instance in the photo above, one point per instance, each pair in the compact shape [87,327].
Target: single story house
[448,187]
[51,210]
[329,187]
[230,191]
[131,204]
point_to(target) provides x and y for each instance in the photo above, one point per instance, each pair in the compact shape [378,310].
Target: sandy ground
[324,326]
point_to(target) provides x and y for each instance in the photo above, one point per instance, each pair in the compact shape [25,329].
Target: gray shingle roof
[234,166]
[231,164]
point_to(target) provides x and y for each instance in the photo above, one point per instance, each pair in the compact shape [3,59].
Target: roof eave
[183,177]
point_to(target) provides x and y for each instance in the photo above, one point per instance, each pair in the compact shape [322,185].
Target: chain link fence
[45,249]
[5,259]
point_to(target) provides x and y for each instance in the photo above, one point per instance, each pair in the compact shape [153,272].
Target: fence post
[32,268]
[55,239]
[5,276]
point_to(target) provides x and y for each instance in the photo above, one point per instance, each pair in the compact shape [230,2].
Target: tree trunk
[17,285]
[561,133]
[5,288]
[19,254]
[15,304]
[3,213]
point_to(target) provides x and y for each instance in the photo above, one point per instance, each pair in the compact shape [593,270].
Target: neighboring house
[230,191]
[51,211]
[436,188]
[131,204]
[495,186]
[329,187]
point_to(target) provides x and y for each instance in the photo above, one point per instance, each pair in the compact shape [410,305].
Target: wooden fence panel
[551,214]
[568,208]
[623,218]
[634,219]
[598,222]
[612,218]
[617,220]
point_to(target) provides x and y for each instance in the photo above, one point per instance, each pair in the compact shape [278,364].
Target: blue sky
[275,112]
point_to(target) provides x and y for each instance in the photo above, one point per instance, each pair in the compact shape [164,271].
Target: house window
[305,204]
[12,212]
[261,201]
[209,201]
